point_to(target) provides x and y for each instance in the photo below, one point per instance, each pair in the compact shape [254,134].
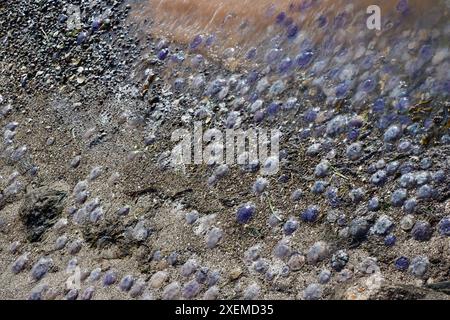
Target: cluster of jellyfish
[324,46]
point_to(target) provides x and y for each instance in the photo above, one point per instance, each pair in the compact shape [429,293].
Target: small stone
[235,273]
[296,262]
[157,279]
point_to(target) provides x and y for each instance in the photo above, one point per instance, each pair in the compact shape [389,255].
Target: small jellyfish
[171,291]
[322,21]
[310,214]
[368,85]
[123,211]
[210,40]
[40,268]
[324,276]
[162,55]
[354,151]
[421,231]
[251,54]
[188,268]
[390,240]
[87,294]
[82,37]
[211,294]
[138,288]
[419,266]
[196,42]
[110,278]
[383,225]
[251,292]
[392,134]
[339,260]
[292,31]
[290,226]
[72,294]
[313,292]
[95,275]
[304,58]
[245,213]
[373,204]
[126,283]
[213,237]
[60,242]
[280,18]
[179,84]
[273,55]
[74,247]
[260,266]
[197,60]
[20,263]
[357,195]
[444,226]
[95,173]
[191,289]
[402,263]
[425,192]
[260,185]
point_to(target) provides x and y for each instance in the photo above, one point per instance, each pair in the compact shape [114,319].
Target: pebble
[157,279]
